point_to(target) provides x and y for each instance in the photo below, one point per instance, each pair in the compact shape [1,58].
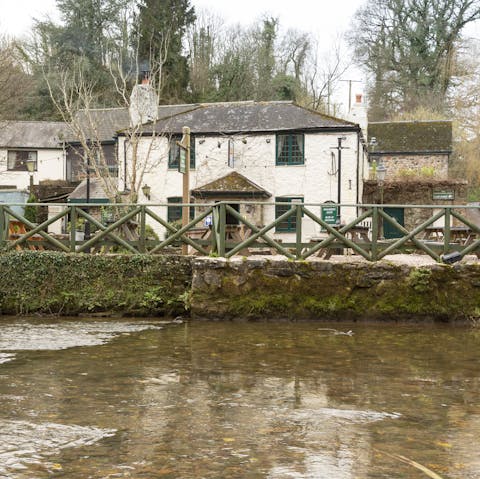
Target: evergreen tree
[161,28]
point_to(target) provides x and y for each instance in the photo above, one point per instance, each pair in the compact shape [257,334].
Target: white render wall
[50,166]
[255,159]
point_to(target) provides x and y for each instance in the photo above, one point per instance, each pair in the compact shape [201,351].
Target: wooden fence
[209,233]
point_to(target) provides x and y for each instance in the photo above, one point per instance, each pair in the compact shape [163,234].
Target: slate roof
[411,137]
[233,184]
[97,193]
[248,116]
[107,121]
[32,134]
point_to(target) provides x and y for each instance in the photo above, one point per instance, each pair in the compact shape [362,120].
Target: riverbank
[401,287]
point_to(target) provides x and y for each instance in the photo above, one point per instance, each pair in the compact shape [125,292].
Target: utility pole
[339,149]
[350,91]
[184,168]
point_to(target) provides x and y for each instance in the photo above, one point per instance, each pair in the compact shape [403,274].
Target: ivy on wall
[56,283]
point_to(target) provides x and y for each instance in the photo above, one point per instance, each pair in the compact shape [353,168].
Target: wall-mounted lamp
[244,141]
[219,145]
[31,163]
[202,141]
[146,190]
[268,140]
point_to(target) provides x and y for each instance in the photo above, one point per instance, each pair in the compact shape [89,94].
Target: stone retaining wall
[242,288]
[269,288]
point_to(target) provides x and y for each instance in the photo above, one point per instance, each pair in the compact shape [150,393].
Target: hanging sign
[182,162]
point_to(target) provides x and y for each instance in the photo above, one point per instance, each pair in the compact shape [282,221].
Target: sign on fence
[330,213]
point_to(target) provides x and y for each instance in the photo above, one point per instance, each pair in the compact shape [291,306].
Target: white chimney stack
[143,104]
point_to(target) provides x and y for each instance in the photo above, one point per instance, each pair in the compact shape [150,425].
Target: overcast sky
[326,20]
[323,17]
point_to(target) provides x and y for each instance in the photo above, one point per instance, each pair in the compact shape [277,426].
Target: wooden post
[298,224]
[3,226]
[222,230]
[186,183]
[374,246]
[141,246]
[446,231]
[73,229]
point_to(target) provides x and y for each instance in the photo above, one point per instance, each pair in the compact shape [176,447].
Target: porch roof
[97,193]
[233,184]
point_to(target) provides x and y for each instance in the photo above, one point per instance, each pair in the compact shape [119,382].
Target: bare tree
[409,47]
[322,76]
[77,100]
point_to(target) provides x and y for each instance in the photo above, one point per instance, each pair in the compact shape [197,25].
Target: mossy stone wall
[58,283]
[264,288]
[242,288]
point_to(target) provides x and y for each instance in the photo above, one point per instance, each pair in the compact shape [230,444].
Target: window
[289,224]
[174,212]
[17,159]
[290,149]
[174,152]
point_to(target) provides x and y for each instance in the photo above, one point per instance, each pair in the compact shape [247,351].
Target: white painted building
[39,142]
[287,151]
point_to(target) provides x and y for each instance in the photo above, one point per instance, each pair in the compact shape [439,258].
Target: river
[84,398]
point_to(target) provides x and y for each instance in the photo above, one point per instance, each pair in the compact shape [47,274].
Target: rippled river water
[145,399]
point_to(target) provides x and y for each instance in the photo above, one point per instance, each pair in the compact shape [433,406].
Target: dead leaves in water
[415,464]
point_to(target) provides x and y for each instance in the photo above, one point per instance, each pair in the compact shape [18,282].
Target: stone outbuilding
[411,149]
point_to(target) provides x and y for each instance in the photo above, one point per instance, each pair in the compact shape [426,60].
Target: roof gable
[411,136]
[233,184]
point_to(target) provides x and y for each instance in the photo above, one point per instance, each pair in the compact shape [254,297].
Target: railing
[126,231]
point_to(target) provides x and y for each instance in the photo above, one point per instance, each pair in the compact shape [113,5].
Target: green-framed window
[174,212]
[174,152]
[290,224]
[290,149]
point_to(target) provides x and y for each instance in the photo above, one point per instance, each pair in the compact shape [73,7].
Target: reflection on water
[25,444]
[150,400]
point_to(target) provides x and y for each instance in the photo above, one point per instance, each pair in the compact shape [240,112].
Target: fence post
[222,230]
[142,240]
[3,227]
[73,228]
[446,231]
[375,233]
[298,224]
